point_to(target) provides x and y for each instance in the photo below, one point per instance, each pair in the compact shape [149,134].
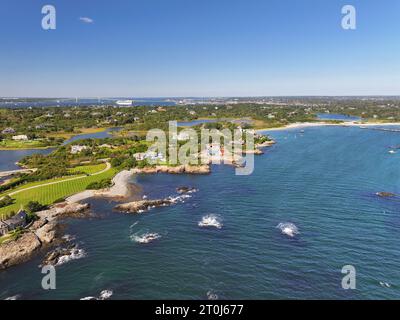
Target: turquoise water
[323,180]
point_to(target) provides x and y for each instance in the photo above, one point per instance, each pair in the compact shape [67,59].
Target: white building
[77,149]
[21,137]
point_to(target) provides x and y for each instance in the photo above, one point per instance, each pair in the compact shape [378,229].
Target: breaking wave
[179,199]
[212,221]
[75,254]
[211,295]
[145,238]
[288,229]
[104,295]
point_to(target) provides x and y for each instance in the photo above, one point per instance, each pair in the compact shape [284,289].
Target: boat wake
[211,221]
[288,229]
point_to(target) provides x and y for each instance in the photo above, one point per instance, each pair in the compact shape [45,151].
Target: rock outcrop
[19,250]
[40,233]
[143,205]
[182,190]
[188,169]
[385,194]
[46,233]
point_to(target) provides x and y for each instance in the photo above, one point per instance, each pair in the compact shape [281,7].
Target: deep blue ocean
[323,180]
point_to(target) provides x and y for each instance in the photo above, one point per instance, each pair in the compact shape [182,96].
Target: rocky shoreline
[203,169]
[42,233]
[144,205]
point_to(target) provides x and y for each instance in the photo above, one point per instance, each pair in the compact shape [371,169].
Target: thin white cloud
[86,20]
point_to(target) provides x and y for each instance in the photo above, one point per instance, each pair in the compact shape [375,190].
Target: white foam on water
[16,297]
[105,294]
[133,224]
[288,229]
[68,237]
[179,199]
[211,295]
[384,284]
[88,298]
[212,221]
[75,255]
[145,238]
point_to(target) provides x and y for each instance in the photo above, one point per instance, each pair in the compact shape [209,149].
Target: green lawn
[48,194]
[89,169]
[30,144]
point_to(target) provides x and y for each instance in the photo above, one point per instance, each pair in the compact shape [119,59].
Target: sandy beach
[120,189]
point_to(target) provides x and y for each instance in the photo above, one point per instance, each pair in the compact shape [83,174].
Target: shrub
[6,201]
[105,183]
[34,206]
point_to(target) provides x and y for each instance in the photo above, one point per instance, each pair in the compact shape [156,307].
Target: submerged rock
[62,255]
[185,190]
[385,194]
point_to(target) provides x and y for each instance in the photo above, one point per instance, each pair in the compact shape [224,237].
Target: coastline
[299,125]
[120,189]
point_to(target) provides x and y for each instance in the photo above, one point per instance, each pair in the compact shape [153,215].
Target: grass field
[60,188]
[89,169]
[18,145]
[69,135]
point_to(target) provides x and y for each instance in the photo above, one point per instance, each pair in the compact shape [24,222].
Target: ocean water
[12,103]
[9,158]
[323,180]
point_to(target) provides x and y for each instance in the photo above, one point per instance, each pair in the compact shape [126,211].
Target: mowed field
[46,192]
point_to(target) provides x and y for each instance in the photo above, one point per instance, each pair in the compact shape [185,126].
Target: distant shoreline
[321,124]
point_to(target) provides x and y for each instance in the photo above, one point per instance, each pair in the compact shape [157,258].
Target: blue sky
[154,48]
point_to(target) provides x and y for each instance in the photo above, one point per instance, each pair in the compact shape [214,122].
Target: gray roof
[17,218]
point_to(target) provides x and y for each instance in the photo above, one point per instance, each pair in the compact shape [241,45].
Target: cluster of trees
[39,122]
[6,201]
[105,183]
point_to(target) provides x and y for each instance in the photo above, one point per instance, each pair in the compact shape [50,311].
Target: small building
[151,155]
[183,136]
[21,137]
[17,221]
[140,156]
[8,131]
[77,149]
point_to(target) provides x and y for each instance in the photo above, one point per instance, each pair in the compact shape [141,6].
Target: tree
[34,206]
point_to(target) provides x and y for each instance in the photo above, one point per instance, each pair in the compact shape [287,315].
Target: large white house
[21,137]
[77,149]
